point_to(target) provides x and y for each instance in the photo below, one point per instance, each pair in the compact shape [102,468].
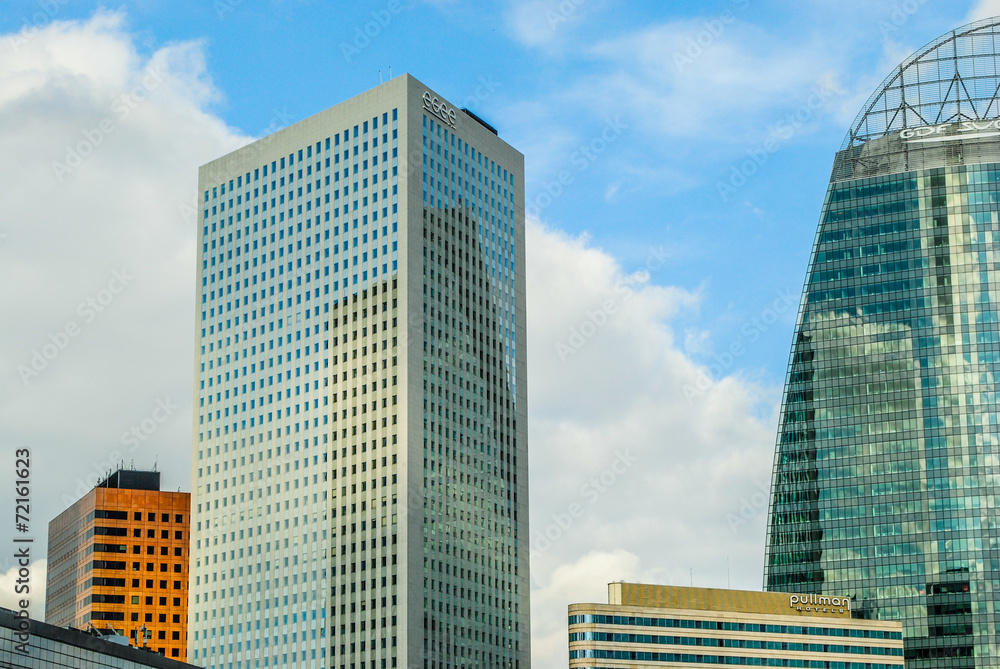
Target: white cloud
[684,92]
[634,449]
[984,9]
[12,584]
[716,78]
[542,23]
[101,148]
[583,581]
[641,464]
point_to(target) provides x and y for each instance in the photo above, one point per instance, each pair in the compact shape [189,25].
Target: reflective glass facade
[885,477]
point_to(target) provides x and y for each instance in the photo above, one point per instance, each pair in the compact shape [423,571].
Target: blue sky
[555,72]
[679,149]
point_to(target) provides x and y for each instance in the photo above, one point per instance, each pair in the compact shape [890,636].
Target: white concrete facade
[360,441]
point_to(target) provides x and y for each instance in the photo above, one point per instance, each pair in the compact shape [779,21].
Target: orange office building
[119,558]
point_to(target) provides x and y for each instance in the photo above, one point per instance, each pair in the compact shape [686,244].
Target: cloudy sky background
[651,433]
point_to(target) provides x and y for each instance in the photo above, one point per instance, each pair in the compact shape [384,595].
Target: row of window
[732,643]
[136,532]
[723,659]
[683,623]
[136,550]
[110,514]
[119,565]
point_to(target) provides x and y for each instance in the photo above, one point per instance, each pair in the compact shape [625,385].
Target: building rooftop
[727,602]
[91,642]
[132,479]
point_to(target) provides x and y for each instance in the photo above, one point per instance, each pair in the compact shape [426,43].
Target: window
[151,517]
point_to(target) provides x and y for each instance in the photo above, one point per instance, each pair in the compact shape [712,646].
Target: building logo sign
[819,603]
[948,132]
[440,108]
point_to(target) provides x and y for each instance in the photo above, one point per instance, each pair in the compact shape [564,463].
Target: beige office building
[673,626]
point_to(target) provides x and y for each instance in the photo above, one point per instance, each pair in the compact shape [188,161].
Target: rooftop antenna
[691,574]
[390,71]
[380,76]
[155,462]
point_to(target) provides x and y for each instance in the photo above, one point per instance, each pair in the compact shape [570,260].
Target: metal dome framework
[954,78]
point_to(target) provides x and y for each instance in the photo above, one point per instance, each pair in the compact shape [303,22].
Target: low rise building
[674,626]
[119,558]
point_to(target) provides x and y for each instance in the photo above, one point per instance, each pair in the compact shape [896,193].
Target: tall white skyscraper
[359,494]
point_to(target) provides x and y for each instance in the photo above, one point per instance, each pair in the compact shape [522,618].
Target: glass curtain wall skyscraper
[885,481]
[360,440]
